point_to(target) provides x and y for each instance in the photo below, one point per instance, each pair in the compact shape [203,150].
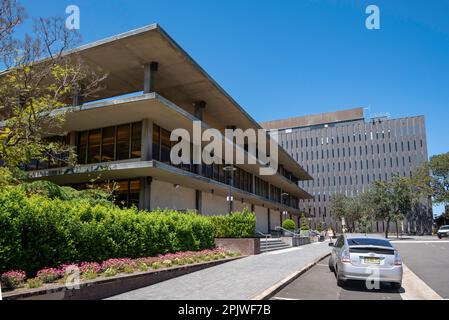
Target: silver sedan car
[368,258]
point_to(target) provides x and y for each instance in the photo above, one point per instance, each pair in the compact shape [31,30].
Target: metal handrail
[288,231]
[266,235]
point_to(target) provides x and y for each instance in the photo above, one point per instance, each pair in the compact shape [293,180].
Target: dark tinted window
[444,228]
[368,242]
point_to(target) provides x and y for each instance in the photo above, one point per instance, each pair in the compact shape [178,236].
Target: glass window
[82,147]
[165,146]
[123,142]
[93,152]
[136,140]
[108,144]
[156,142]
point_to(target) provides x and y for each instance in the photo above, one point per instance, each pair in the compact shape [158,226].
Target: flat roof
[315,119]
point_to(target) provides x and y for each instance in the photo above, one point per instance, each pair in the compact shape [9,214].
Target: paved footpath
[240,279]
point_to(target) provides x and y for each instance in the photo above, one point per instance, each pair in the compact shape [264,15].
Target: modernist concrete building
[153,87]
[345,152]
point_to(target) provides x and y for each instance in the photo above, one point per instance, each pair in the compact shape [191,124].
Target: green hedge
[39,232]
[43,225]
[236,225]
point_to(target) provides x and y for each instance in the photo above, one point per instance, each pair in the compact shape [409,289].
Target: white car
[443,232]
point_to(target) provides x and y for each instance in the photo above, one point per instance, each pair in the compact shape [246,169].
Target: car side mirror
[331,244]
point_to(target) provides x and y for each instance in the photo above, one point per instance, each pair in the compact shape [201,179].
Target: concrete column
[198,200]
[269,220]
[145,193]
[77,99]
[147,140]
[253,185]
[150,70]
[199,109]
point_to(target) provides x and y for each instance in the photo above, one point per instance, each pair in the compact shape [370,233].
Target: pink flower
[118,264]
[49,274]
[90,267]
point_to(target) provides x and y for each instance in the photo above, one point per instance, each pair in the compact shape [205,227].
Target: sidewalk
[240,279]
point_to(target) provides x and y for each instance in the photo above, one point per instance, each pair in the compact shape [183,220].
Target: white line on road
[415,288]
[281,298]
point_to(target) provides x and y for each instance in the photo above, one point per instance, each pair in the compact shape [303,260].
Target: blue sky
[288,58]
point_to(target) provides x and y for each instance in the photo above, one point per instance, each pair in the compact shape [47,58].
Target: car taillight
[345,257]
[397,259]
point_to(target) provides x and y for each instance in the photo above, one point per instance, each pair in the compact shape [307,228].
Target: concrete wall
[275,219]
[165,195]
[239,206]
[213,204]
[261,219]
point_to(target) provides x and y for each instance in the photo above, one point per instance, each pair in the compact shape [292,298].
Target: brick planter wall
[246,246]
[102,287]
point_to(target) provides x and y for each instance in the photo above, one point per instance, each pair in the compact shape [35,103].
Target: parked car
[360,257]
[443,232]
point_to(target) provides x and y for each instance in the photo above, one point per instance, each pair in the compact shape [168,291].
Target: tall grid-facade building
[345,152]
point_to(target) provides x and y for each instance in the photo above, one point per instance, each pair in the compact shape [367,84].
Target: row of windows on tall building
[350,180]
[306,142]
[354,151]
[355,165]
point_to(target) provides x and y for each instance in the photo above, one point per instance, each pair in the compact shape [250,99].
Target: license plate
[371,260]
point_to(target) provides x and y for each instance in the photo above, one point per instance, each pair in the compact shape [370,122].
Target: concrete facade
[345,153]
[123,135]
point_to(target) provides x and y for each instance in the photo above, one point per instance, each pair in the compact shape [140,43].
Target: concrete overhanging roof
[154,169]
[179,78]
[165,113]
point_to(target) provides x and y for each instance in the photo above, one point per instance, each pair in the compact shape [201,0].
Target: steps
[271,244]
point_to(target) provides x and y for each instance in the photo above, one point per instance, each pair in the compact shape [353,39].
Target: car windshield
[368,242]
[444,228]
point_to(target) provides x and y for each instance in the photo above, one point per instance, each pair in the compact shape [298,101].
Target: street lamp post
[230,170]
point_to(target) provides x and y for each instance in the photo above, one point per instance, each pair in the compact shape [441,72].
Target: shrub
[304,223]
[118,264]
[63,224]
[34,283]
[167,263]
[110,272]
[289,224]
[156,265]
[49,275]
[13,279]
[89,275]
[78,230]
[90,267]
[235,225]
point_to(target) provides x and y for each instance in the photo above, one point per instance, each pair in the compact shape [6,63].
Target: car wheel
[396,285]
[331,265]
[340,282]
[439,237]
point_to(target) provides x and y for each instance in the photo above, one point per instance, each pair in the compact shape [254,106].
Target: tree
[40,80]
[11,15]
[338,206]
[304,224]
[392,201]
[439,172]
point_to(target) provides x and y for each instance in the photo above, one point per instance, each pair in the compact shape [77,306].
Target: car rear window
[444,228]
[368,242]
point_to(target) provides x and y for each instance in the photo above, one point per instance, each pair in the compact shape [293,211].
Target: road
[426,276]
